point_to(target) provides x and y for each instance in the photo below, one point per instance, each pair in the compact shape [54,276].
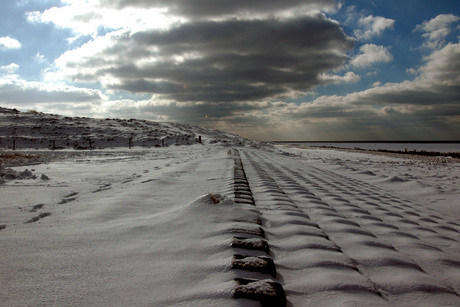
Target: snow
[154,226]
[443,147]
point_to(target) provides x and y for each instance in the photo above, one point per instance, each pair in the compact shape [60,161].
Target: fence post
[199,139]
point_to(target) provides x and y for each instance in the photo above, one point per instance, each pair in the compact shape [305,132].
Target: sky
[313,70]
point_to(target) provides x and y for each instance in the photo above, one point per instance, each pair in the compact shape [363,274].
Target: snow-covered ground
[201,224]
[445,147]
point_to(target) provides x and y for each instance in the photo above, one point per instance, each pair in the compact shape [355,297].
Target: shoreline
[27,157]
[430,156]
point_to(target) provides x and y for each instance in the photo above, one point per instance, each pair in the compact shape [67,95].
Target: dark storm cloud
[197,112]
[208,8]
[267,36]
[233,60]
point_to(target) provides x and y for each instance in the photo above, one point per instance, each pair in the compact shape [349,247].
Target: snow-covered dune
[227,223]
[40,130]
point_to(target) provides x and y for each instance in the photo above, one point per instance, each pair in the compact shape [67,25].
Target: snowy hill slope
[39,130]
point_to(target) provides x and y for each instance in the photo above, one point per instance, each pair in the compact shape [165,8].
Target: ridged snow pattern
[253,251]
[334,236]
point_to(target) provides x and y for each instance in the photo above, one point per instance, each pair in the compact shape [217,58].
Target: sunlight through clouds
[89,17]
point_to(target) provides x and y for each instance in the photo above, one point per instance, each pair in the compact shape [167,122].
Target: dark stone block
[268,293]
[257,231]
[250,243]
[254,263]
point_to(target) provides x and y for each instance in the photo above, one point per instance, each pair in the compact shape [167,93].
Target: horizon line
[370,141]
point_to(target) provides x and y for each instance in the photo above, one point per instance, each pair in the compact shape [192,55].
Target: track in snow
[336,240]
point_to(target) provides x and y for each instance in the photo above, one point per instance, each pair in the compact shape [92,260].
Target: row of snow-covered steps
[243,194]
[253,258]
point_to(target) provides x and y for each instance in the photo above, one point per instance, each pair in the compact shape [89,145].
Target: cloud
[423,108]
[370,54]
[436,85]
[39,57]
[349,77]
[91,18]
[7,42]
[443,69]
[373,26]
[29,93]
[225,8]
[9,69]
[436,29]
[95,16]
[213,61]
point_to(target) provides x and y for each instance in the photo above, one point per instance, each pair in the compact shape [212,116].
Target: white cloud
[9,69]
[14,91]
[7,42]
[436,85]
[436,29]
[443,67]
[370,54]
[71,60]
[40,57]
[349,77]
[88,17]
[373,26]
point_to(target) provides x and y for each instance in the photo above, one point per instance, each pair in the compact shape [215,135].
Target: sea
[445,147]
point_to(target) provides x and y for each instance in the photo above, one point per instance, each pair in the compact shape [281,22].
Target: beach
[139,227]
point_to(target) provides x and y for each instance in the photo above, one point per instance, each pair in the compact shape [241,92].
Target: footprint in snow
[105,187]
[368,172]
[148,180]
[38,217]
[36,207]
[396,179]
[71,194]
[68,198]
